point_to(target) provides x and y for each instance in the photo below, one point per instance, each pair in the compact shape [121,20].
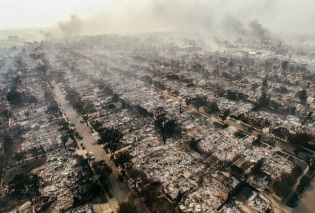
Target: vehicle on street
[92,157]
[78,135]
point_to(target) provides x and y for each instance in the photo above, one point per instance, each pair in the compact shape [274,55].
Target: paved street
[120,190]
[307,203]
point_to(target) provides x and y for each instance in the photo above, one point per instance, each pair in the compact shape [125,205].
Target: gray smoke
[258,31]
[232,24]
[254,29]
[71,27]
[220,18]
[74,26]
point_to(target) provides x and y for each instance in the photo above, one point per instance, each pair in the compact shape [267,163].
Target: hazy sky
[17,14]
[277,15]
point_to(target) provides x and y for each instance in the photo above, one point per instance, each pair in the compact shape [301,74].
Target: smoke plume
[258,31]
[220,18]
[71,27]
[232,24]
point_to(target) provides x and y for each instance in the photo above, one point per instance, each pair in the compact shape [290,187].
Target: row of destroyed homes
[215,129]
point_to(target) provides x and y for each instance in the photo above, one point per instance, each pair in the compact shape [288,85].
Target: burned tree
[103,171]
[111,138]
[211,107]
[160,117]
[284,67]
[84,108]
[72,96]
[302,96]
[54,110]
[224,114]
[19,156]
[25,185]
[171,128]
[199,101]
[15,98]
[264,100]
[122,158]
[256,168]
[84,186]
[115,98]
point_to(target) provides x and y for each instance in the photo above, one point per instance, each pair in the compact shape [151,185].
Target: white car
[92,157]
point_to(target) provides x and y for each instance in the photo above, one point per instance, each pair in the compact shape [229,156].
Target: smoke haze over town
[265,19]
[157,106]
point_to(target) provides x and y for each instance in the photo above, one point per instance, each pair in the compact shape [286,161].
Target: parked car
[92,157]
[72,124]
[78,135]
